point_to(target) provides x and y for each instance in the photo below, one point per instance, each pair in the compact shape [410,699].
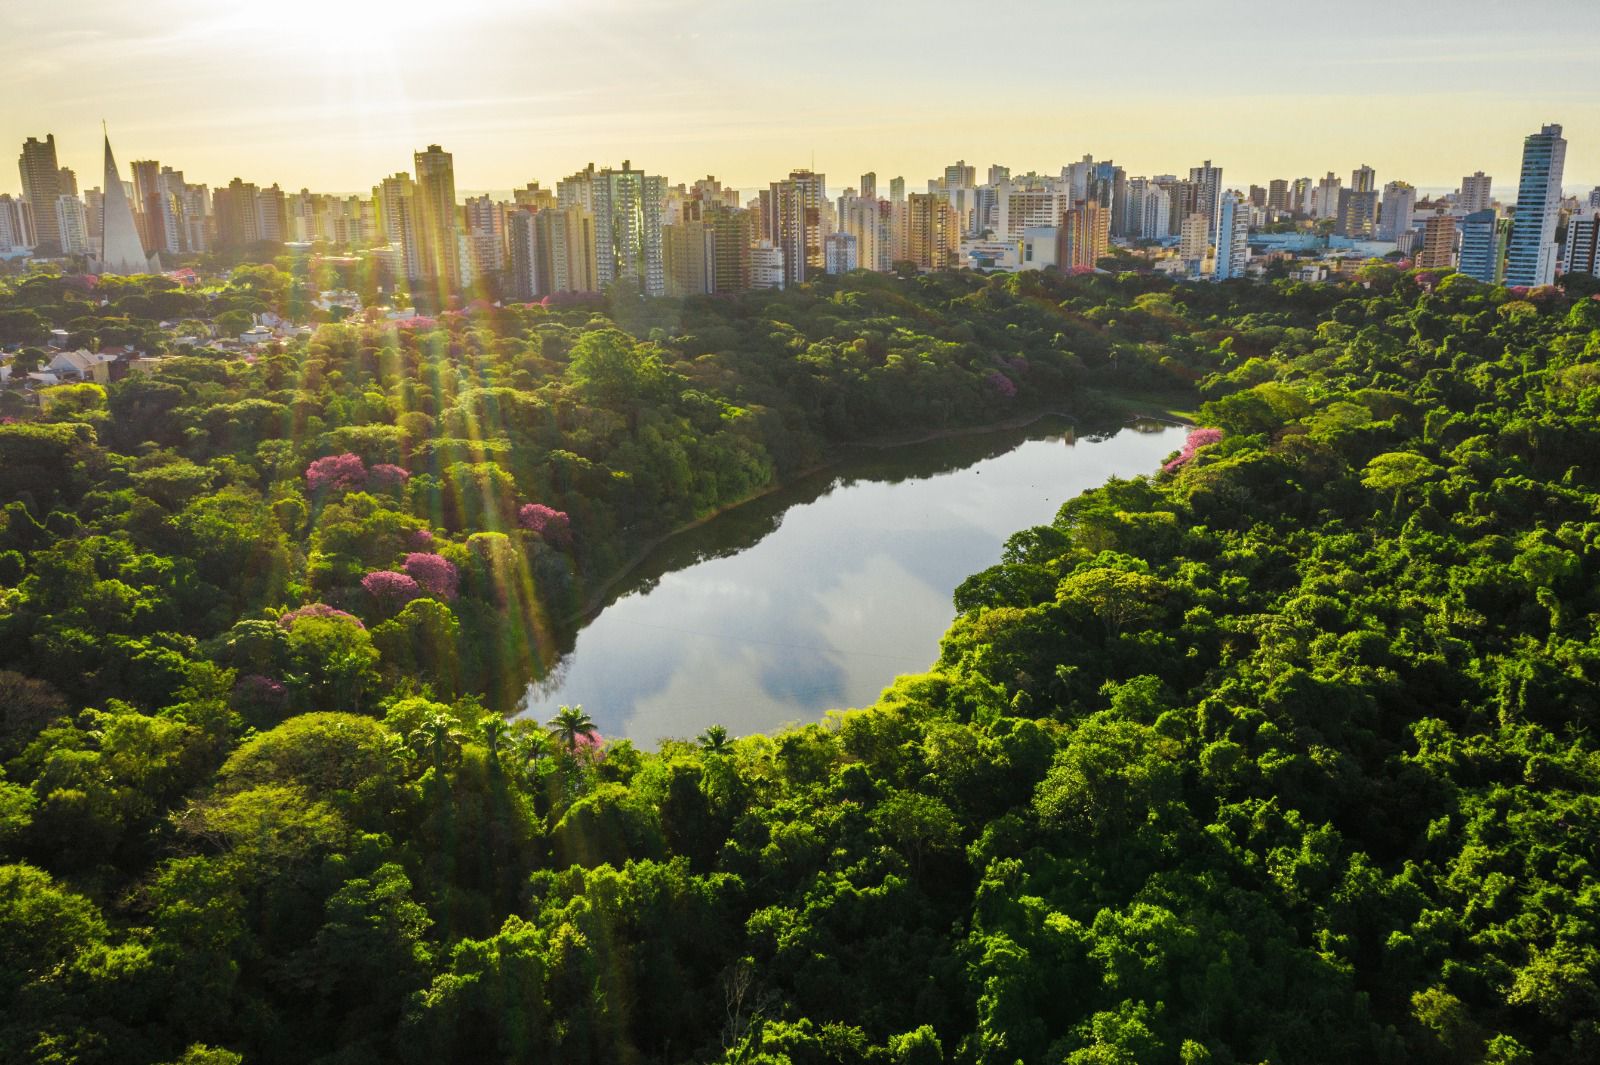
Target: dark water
[817,596]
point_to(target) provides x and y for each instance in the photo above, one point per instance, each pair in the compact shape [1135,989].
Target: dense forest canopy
[1280,754]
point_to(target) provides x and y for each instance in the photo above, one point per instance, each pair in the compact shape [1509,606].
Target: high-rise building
[1477,193]
[1483,247]
[959,175]
[796,223]
[69,181]
[869,185]
[998,173]
[1278,195]
[688,247]
[16,224]
[1300,196]
[766,265]
[1207,181]
[1399,201]
[238,219]
[897,190]
[1194,241]
[486,234]
[868,221]
[1085,236]
[272,214]
[732,235]
[438,259]
[1325,199]
[121,251]
[1531,253]
[1155,214]
[1364,179]
[1580,254]
[840,253]
[1438,242]
[1358,214]
[1233,237]
[552,251]
[147,213]
[72,222]
[933,233]
[41,184]
[627,228]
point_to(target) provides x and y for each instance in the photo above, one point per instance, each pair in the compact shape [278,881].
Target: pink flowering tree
[391,590]
[317,610]
[1197,439]
[387,475]
[552,525]
[338,472]
[421,540]
[433,573]
[1001,384]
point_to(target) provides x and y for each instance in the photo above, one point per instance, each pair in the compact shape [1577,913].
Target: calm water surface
[817,596]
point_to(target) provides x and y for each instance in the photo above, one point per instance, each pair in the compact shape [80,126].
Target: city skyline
[530,92]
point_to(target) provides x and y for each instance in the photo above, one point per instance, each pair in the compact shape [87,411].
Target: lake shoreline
[596,601]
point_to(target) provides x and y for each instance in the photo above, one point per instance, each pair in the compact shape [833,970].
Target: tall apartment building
[1194,240]
[1399,202]
[1300,196]
[1207,182]
[840,253]
[867,220]
[238,223]
[1233,237]
[1477,193]
[486,234]
[933,233]
[41,184]
[627,207]
[435,231]
[1364,179]
[1580,254]
[688,248]
[1531,252]
[1482,247]
[72,222]
[869,185]
[766,265]
[1084,237]
[1358,214]
[1438,242]
[1278,195]
[16,224]
[732,231]
[1325,198]
[796,223]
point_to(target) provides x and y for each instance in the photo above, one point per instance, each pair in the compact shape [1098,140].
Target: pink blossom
[390,588]
[336,471]
[421,539]
[1000,383]
[435,574]
[317,610]
[1197,439]
[553,525]
[387,475]
[1018,363]
[254,692]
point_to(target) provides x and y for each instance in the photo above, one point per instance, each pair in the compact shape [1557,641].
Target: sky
[335,94]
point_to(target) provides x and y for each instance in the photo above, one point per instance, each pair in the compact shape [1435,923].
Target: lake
[818,595]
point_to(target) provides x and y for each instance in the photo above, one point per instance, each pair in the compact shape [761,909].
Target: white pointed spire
[121,250]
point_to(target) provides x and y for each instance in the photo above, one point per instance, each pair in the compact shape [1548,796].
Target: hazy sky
[333,94]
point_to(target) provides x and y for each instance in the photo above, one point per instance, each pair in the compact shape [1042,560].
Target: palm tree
[570,723]
[494,730]
[438,733]
[714,740]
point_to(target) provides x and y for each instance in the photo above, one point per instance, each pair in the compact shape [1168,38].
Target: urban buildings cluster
[605,225]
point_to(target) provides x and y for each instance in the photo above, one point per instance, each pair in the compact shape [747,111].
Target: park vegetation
[1282,753]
